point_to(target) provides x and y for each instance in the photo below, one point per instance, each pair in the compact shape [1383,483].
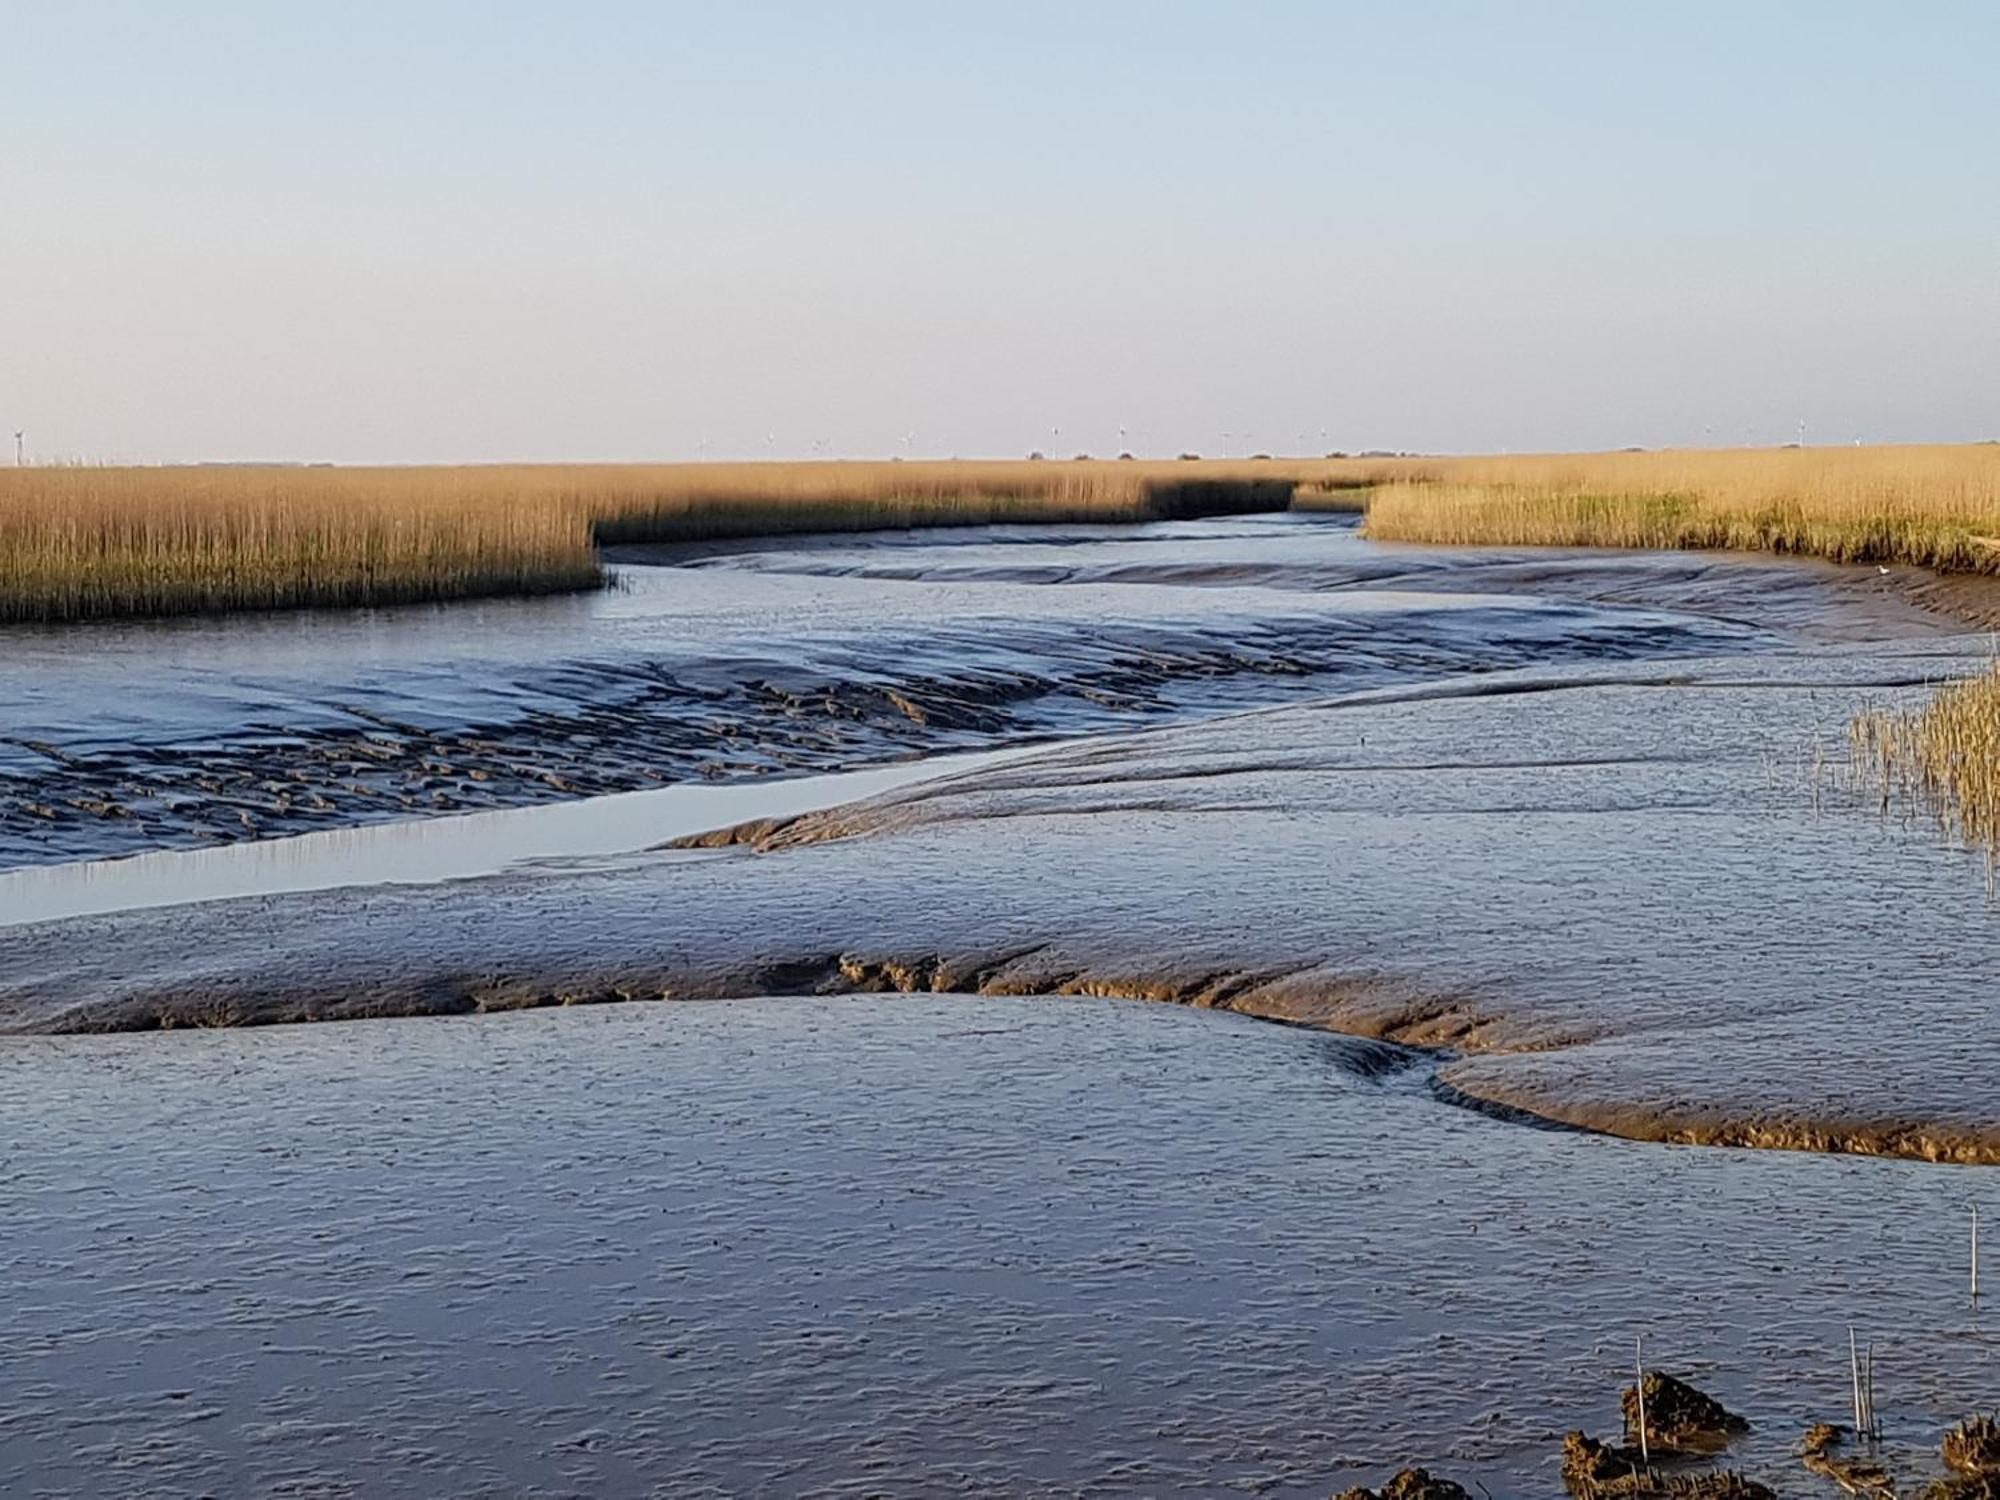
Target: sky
[441,232]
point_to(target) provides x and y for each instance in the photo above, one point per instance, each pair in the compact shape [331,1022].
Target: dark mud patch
[1592,1470]
[1671,1416]
[1410,1484]
[1595,905]
[1823,1451]
[323,755]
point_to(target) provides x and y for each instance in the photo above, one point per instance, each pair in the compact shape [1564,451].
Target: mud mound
[1597,1471]
[1410,1484]
[1679,1418]
[1590,1467]
[1973,1447]
[1966,1487]
[1855,1475]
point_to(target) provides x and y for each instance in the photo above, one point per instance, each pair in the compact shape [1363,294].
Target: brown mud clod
[1598,1471]
[1973,1446]
[1855,1475]
[1679,1418]
[1971,1450]
[1410,1484]
[1965,1487]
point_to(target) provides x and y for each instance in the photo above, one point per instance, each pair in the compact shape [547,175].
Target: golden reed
[1945,755]
[1935,507]
[82,543]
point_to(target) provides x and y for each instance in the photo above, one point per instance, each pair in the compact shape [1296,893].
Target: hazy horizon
[610,232]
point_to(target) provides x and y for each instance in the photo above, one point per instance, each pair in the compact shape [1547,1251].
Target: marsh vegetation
[82,543]
[1933,507]
[88,543]
[1944,754]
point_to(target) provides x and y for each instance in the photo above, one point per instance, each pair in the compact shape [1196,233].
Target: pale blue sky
[457,231]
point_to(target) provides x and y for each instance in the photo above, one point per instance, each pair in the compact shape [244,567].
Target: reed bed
[81,543]
[1934,507]
[88,543]
[84,543]
[1944,755]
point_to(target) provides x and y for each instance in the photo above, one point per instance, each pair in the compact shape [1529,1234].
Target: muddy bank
[1618,899]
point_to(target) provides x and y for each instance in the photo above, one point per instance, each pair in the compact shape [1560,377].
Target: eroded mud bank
[1623,899]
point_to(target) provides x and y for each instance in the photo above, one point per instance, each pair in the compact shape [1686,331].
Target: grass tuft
[1945,755]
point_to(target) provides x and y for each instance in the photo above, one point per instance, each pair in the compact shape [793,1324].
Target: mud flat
[1616,896]
[898,1243]
[983,1235]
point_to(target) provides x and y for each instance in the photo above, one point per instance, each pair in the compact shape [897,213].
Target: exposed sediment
[1820,1450]
[1581,890]
[330,754]
[1409,1484]
[1665,1124]
[1673,1417]
[1592,1470]
[1973,1447]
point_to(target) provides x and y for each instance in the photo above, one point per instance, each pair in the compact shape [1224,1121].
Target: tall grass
[1945,754]
[77,543]
[1936,507]
[81,543]
[85,543]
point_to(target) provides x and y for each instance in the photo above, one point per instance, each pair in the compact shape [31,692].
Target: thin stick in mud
[1639,1369]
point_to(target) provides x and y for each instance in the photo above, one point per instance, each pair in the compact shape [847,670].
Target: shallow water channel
[1512,838]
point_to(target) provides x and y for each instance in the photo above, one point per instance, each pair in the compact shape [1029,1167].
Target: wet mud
[1410,1484]
[929,1214]
[1673,1417]
[1827,1450]
[1626,903]
[905,1244]
[813,655]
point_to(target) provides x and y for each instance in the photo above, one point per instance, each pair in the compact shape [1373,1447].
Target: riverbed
[1551,861]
